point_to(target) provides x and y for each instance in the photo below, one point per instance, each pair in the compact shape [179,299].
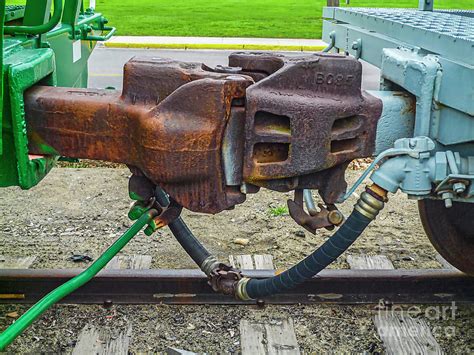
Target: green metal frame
[2,21]
[24,69]
[14,12]
[47,49]
[38,9]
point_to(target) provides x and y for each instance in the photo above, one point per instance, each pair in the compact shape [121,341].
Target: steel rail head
[190,286]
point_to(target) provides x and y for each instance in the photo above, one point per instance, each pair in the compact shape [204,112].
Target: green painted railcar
[46,46]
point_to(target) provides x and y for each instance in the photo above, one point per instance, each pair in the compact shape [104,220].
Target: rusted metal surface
[224,279]
[308,115]
[169,123]
[327,217]
[198,132]
[191,287]
[451,231]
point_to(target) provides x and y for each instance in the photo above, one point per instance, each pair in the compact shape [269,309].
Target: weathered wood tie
[272,337]
[16,262]
[130,262]
[249,262]
[400,333]
[97,340]
[276,337]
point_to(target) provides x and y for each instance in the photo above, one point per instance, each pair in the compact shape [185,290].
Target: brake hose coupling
[371,201]
[225,279]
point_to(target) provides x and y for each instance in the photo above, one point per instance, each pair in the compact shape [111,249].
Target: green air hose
[70,286]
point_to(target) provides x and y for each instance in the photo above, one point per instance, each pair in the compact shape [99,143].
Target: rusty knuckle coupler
[208,136]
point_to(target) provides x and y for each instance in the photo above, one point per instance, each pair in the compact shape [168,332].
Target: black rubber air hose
[183,234]
[352,228]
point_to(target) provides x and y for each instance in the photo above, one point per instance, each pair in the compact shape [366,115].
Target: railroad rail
[189,286]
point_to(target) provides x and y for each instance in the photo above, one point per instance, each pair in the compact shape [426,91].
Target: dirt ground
[81,211]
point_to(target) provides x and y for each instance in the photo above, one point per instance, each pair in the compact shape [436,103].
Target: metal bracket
[357,46]
[327,217]
[417,74]
[332,37]
[425,5]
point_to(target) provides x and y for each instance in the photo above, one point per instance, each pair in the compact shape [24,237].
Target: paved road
[106,64]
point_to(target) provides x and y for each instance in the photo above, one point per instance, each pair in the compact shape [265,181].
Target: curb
[212,46]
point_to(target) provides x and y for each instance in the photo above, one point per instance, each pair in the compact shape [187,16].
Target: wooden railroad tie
[400,333]
[97,340]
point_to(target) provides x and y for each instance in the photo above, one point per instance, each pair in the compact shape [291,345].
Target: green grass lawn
[232,18]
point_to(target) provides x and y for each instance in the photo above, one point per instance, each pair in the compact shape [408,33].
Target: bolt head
[335,217]
[447,197]
[459,187]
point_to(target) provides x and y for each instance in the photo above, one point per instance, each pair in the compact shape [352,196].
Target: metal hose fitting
[368,205]
[209,264]
[240,290]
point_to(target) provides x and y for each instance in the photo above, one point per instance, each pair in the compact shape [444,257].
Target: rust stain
[168,122]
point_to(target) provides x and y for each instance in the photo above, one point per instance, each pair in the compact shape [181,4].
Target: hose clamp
[368,205]
[241,289]
[209,264]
